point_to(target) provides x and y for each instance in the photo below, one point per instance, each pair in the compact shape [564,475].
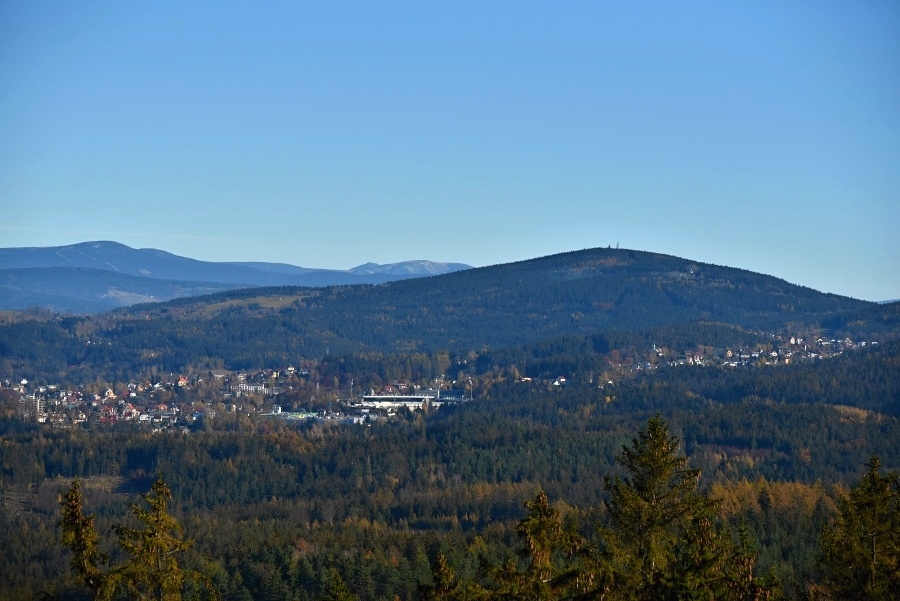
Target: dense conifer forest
[600,382]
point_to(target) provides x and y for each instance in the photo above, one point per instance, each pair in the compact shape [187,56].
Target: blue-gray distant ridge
[96,276]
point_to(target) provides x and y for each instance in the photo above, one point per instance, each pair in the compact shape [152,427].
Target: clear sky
[762,135]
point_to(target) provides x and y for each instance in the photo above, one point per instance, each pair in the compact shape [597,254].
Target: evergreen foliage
[151,570]
[275,506]
[651,509]
[860,551]
[598,291]
[79,535]
[548,557]
[663,540]
[334,588]
[660,540]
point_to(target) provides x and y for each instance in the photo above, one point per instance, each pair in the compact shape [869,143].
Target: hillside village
[782,351]
[187,402]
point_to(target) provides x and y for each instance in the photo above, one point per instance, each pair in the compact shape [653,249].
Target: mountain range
[575,293]
[581,299]
[562,359]
[92,277]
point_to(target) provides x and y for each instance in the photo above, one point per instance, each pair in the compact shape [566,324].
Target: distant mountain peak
[167,271]
[419,267]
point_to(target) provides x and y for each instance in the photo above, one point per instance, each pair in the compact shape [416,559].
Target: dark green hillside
[882,321]
[578,293]
[590,355]
[570,292]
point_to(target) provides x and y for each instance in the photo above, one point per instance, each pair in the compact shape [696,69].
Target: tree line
[658,537]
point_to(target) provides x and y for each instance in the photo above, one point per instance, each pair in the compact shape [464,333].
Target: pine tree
[740,573]
[447,586]
[662,540]
[696,571]
[151,570]
[651,506]
[548,553]
[860,552]
[79,535]
[334,588]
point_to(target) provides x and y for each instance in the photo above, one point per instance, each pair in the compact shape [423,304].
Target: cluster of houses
[781,351]
[790,350]
[62,406]
[176,402]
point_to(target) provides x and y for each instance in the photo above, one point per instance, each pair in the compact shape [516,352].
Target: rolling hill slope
[577,293]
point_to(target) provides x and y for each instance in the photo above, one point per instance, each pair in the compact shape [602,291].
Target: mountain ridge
[585,295]
[574,293]
[24,281]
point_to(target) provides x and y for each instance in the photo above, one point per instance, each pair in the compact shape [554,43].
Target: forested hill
[576,293]
[564,359]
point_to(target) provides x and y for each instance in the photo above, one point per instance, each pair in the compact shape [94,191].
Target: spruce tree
[334,588]
[444,577]
[151,570]
[79,535]
[663,540]
[651,507]
[860,551]
[547,557]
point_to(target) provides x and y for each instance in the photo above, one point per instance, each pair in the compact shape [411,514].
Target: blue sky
[761,135]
